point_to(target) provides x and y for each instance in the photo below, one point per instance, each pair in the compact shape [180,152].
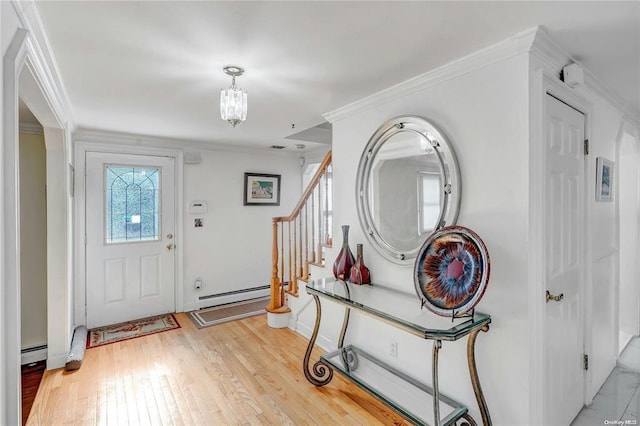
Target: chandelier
[233,101]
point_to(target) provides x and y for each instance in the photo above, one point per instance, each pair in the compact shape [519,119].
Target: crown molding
[554,58]
[43,63]
[534,41]
[32,128]
[513,46]
[84,135]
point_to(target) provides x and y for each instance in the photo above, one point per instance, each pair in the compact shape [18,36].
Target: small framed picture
[261,189]
[604,179]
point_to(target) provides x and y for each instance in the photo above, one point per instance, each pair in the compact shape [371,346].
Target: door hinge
[585,360]
[586,147]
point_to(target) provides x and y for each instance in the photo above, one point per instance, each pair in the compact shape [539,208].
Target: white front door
[130,223]
[564,332]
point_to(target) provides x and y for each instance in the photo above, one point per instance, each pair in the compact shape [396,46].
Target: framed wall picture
[604,179]
[261,189]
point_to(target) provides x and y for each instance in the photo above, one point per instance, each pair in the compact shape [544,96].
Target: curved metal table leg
[437,344]
[469,420]
[322,373]
[473,373]
[349,357]
[345,321]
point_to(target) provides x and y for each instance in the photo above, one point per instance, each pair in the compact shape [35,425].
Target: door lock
[551,297]
[169,236]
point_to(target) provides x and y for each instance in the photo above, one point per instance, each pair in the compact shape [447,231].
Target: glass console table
[396,389]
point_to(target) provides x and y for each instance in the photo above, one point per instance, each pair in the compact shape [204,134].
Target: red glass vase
[359,274]
[345,260]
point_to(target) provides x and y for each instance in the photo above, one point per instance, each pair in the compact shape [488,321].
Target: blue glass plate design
[451,271]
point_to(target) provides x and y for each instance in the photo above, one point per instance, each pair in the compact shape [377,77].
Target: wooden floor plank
[239,373]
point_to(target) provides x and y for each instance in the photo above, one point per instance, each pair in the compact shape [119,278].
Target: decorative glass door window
[132,203]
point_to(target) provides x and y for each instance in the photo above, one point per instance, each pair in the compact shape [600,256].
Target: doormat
[229,312]
[130,330]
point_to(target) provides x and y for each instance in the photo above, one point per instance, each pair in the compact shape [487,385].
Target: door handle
[171,246]
[551,297]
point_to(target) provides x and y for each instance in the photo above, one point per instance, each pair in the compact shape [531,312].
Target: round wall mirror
[408,186]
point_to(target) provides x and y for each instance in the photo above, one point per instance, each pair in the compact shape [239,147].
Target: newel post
[277,312]
[275,302]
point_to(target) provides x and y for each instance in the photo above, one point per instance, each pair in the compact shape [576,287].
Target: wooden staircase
[300,239]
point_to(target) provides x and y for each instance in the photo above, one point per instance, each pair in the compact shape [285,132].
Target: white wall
[602,346]
[232,251]
[33,240]
[629,190]
[484,113]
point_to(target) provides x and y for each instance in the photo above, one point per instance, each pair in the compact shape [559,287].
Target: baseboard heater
[34,354]
[233,296]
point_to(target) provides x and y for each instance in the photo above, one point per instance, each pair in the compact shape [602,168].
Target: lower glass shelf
[412,399]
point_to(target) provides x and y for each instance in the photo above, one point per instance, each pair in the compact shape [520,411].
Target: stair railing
[300,238]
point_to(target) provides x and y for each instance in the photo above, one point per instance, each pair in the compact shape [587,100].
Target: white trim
[543,82]
[44,61]
[31,128]
[29,356]
[80,150]
[131,139]
[26,76]
[10,405]
[513,46]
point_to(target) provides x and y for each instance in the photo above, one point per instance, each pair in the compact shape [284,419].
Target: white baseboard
[306,331]
[34,355]
[230,298]
[56,361]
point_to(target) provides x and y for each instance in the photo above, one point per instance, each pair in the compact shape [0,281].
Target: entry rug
[130,330]
[229,312]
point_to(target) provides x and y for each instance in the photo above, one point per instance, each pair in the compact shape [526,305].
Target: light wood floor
[237,373]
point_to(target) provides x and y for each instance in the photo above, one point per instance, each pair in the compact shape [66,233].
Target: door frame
[100,143]
[626,128]
[27,74]
[542,84]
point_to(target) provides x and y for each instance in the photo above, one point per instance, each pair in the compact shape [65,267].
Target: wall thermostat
[197,207]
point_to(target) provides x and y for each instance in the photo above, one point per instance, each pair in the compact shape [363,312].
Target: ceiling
[155,68]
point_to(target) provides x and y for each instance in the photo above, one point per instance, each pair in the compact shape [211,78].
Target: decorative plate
[451,271]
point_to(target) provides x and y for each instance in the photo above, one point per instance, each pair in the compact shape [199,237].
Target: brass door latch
[554,298]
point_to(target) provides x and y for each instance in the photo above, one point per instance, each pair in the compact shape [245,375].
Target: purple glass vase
[345,260]
[359,272]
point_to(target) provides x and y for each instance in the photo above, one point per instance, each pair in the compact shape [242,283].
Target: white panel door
[130,222]
[564,335]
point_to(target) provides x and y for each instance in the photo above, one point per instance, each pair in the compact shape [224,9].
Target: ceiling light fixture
[233,101]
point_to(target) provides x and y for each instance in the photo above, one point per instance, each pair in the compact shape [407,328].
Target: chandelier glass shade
[233,101]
